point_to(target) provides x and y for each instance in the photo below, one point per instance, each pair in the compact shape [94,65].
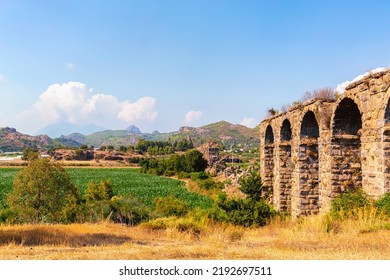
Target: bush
[8,215]
[251,185]
[183,175]
[185,224]
[195,176]
[30,154]
[97,199]
[210,184]
[246,212]
[383,204]
[348,204]
[128,210]
[170,206]
[95,192]
[43,193]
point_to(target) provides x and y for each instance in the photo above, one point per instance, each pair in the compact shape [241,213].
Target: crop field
[125,181]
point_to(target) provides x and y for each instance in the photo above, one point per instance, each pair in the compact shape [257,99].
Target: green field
[125,181]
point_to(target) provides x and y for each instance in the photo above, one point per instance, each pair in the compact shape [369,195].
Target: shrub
[170,206]
[246,212]
[210,184]
[184,224]
[348,204]
[97,198]
[199,176]
[183,175]
[128,210]
[98,192]
[8,215]
[384,204]
[30,154]
[43,192]
[251,185]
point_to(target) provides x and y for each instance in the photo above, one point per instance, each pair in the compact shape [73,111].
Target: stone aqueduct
[319,149]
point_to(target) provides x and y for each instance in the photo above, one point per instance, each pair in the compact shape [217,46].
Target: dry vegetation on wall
[303,239]
[326,94]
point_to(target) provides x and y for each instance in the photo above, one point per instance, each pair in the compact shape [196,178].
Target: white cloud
[69,65]
[249,122]
[142,109]
[192,116]
[341,87]
[76,103]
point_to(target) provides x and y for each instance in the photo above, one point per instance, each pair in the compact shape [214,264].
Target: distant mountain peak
[65,128]
[186,128]
[133,129]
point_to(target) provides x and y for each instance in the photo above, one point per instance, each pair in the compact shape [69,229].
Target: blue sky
[164,64]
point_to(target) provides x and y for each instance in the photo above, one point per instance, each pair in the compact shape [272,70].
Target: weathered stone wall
[320,149]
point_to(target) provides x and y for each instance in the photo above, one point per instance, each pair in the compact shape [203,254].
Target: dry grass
[306,239]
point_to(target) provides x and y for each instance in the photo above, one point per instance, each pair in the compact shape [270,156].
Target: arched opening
[268,163]
[285,132]
[386,146]
[308,165]
[286,167]
[347,118]
[269,135]
[309,128]
[346,148]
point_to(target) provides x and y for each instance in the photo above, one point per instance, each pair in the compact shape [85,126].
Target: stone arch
[346,147]
[309,127]
[347,118]
[286,167]
[285,131]
[269,135]
[268,163]
[386,147]
[308,165]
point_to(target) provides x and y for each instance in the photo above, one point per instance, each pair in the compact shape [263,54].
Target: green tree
[123,148]
[110,147]
[43,193]
[97,198]
[195,161]
[30,154]
[251,185]
[97,192]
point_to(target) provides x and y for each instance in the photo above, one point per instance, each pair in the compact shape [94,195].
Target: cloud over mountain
[192,116]
[249,122]
[76,103]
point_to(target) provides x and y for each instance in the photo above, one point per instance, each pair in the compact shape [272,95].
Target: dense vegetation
[191,161]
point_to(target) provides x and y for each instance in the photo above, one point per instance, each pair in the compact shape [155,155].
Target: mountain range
[226,133]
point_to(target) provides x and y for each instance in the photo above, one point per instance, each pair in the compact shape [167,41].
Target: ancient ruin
[319,149]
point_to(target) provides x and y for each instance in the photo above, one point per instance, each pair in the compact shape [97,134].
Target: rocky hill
[223,132]
[14,141]
[226,133]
